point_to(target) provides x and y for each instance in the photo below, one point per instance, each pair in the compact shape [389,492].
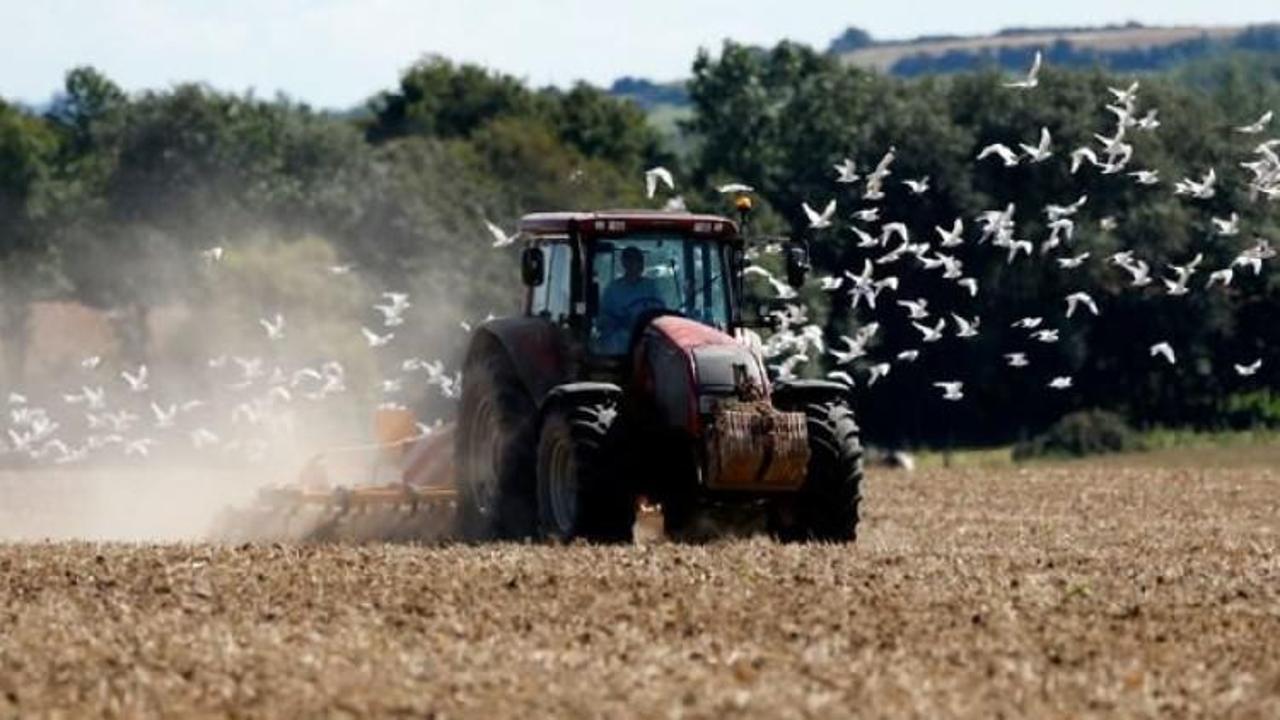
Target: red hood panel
[688,334]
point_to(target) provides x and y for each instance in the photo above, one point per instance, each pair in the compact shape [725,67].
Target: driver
[625,299]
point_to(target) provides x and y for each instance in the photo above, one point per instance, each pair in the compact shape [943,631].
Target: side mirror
[797,259]
[532,266]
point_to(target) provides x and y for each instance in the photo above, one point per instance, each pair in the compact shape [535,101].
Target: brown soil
[1066,590]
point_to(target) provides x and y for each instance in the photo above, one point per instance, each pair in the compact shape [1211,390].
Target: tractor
[630,379]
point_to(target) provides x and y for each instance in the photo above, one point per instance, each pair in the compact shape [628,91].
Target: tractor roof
[618,222]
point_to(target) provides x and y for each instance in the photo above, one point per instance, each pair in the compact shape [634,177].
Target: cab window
[551,299]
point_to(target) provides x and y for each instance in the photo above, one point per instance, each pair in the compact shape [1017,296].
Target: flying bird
[1033,76]
[819,220]
[1256,127]
[1001,151]
[1249,370]
[846,171]
[951,390]
[656,175]
[374,339]
[1164,350]
[1062,382]
[273,326]
[500,236]
[1076,299]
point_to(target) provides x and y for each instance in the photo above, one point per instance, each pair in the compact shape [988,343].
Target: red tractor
[628,379]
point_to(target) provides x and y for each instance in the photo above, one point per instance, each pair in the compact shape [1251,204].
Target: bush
[1080,434]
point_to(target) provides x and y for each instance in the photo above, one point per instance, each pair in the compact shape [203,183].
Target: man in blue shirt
[624,300]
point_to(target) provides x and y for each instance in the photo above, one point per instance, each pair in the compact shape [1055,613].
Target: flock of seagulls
[798,341]
[249,404]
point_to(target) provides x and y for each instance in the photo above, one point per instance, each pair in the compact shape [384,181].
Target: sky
[337,53]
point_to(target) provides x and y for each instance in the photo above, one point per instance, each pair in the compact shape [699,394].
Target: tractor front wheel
[826,507]
[578,494]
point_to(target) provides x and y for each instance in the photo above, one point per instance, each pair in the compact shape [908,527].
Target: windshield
[655,272]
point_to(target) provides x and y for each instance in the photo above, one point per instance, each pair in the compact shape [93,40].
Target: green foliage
[1081,434]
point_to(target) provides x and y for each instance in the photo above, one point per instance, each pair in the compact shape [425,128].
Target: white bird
[842,377]
[954,236]
[1016,359]
[1165,350]
[970,284]
[1033,76]
[1146,177]
[916,309]
[1062,382]
[1201,190]
[137,381]
[202,438]
[1046,336]
[341,269]
[1256,127]
[141,447]
[1127,96]
[952,390]
[91,363]
[1041,151]
[907,356]
[917,187]
[1107,224]
[734,188]
[1227,227]
[274,326]
[820,220]
[211,255]
[1221,277]
[1028,323]
[164,415]
[374,339]
[1149,122]
[1074,300]
[931,334]
[1079,155]
[1001,151]
[966,328]
[653,176]
[1249,370]
[846,171]
[865,239]
[1071,263]
[1139,271]
[500,236]
[876,372]
[867,215]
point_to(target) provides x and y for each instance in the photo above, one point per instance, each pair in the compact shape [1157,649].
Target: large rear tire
[580,495]
[495,451]
[826,507]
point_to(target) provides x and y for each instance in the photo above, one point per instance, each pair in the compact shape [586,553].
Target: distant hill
[1131,47]
[1123,48]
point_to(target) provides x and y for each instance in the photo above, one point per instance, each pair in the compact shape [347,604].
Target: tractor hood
[681,365]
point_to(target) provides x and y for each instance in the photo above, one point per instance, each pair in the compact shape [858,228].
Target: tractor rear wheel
[579,494]
[826,507]
[494,452]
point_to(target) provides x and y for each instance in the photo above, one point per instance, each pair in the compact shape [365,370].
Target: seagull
[1079,155]
[91,363]
[953,237]
[970,284]
[1249,370]
[953,390]
[1221,277]
[1075,299]
[164,415]
[1046,336]
[1033,76]
[966,328]
[1146,177]
[1040,152]
[1071,263]
[868,215]
[1028,323]
[1256,127]
[137,381]
[141,446]
[341,269]
[1062,382]
[212,255]
[865,239]
[734,188]
[1165,350]
[846,171]
[931,334]
[819,220]
[1139,270]
[375,340]
[842,377]
[907,356]
[917,187]
[653,176]
[1228,227]
[1125,97]
[1000,150]
[1202,190]
[916,309]
[877,371]
[500,236]
[274,327]
[1017,359]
